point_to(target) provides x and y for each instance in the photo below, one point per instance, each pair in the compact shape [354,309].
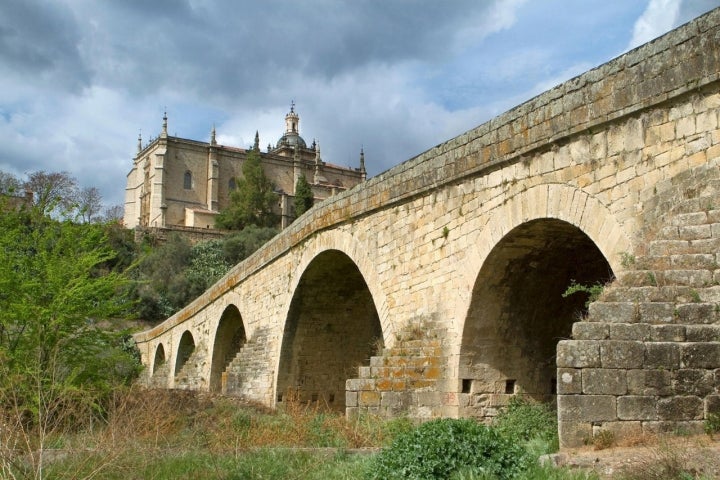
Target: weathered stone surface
[569,381]
[656,312]
[618,312]
[622,354]
[700,355]
[667,333]
[697,382]
[637,407]
[601,381]
[650,382]
[578,354]
[630,331]
[587,408]
[680,408]
[662,355]
[712,405]
[590,331]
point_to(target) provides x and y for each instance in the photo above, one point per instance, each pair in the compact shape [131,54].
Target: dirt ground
[655,458]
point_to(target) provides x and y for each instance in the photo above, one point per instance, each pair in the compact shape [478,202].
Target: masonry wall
[444,243]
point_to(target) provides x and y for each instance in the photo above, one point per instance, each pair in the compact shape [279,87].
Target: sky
[81,79]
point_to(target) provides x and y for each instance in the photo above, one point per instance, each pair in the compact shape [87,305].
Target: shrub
[439,448]
[531,424]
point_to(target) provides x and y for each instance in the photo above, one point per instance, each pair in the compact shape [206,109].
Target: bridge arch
[230,336]
[332,327]
[159,358]
[185,349]
[538,243]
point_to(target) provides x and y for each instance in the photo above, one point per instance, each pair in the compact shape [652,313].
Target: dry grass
[139,427]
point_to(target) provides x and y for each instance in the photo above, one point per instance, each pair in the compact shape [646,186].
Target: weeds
[592,291]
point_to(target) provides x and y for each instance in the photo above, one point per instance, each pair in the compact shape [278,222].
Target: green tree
[303,196]
[240,245]
[55,288]
[252,201]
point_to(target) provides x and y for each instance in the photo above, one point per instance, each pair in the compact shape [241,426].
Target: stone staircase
[242,373]
[159,378]
[645,359]
[402,379]
[189,375]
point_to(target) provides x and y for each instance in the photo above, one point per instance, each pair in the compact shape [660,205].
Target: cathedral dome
[290,139]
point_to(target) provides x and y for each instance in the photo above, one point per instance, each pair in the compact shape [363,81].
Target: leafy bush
[532,424]
[439,448]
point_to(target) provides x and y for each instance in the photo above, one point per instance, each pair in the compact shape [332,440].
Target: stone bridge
[437,288]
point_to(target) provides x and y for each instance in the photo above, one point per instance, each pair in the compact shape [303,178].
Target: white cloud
[659,17]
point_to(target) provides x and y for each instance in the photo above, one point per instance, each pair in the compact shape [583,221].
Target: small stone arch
[186,347]
[187,180]
[159,359]
[229,339]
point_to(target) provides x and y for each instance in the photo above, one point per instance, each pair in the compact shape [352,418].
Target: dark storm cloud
[39,43]
[233,49]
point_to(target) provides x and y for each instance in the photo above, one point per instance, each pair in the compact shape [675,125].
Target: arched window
[231,184]
[187,183]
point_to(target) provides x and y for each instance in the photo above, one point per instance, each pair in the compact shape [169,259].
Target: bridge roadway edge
[678,64]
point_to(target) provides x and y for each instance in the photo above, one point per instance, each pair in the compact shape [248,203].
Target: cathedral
[177,182]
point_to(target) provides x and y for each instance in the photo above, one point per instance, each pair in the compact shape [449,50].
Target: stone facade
[437,289]
[176,182]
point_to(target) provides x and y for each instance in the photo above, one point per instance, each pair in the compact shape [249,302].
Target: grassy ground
[185,435]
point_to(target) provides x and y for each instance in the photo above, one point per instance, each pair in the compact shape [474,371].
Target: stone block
[358,384]
[662,355]
[613,312]
[368,399]
[587,408]
[351,399]
[699,382]
[656,312]
[392,400]
[695,313]
[700,355]
[703,333]
[636,407]
[667,333]
[578,353]
[620,430]
[680,408]
[602,381]
[622,354]
[590,331]
[712,405]
[574,434]
[630,331]
[689,427]
[428,399]
[649,382]
[569,381]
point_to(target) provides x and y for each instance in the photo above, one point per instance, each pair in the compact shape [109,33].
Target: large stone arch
[332,327]
[345,242]
[537,244]
[230,336]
